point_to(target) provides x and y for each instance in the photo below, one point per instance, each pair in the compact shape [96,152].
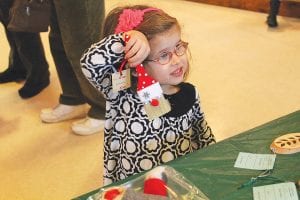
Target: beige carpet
[247,75]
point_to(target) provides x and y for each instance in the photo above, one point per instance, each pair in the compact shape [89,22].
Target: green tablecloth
[211,169]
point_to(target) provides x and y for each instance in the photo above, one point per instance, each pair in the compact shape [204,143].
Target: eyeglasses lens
[179,50]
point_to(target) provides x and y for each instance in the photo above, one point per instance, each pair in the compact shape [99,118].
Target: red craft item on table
[112,194]
[155,186]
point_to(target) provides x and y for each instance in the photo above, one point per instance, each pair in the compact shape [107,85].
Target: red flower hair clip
[130,19]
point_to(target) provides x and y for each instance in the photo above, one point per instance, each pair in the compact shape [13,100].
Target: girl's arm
[105,57]
[101,60]
[202,133]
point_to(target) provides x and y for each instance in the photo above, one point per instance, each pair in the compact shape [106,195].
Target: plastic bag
[177,187]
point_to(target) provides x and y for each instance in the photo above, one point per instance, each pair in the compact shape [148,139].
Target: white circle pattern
[151,144]
[120,126]
[170,136]
[111,165]
[114,145]
[146,164]
[156,123]
[117,47]
[126,164]
[185,145]
[137,128]
[130,147]
[167,156]
[126,107]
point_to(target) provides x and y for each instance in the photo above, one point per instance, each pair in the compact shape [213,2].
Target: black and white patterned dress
[133,143]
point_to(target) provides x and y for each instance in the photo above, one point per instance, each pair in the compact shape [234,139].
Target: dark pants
[26,54]
[274,8]
[75,25]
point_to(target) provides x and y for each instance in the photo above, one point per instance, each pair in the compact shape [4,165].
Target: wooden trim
[287,8]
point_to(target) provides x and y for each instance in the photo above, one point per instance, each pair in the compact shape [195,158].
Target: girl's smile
[178,72]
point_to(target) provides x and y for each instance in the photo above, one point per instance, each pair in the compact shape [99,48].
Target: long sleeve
[101,60]
[202,133]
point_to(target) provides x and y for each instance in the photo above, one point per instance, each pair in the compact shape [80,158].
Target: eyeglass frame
[170,53]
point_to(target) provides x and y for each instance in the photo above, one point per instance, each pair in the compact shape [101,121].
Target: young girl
[133,142]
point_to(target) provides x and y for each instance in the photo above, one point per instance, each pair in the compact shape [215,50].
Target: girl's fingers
[139,57]
[132,49]
[137,48]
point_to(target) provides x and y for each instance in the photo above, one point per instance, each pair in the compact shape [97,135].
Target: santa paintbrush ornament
[149,91]
[151,94]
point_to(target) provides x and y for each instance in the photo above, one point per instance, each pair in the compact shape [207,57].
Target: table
[211,169]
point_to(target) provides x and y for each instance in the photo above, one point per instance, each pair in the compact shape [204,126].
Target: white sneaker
[63,112]
[88,126]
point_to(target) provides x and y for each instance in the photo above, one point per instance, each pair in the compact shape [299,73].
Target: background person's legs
[273,12]
[26,58]
[31,52]
[80,26]
[74,27]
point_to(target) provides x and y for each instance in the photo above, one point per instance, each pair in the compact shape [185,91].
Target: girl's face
[168,72]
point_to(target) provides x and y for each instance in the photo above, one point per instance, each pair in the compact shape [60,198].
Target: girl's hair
[154,22]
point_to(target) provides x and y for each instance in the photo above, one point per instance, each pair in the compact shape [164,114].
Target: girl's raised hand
[137,48]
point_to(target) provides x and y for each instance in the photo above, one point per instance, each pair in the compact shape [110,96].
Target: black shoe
[11,76]
[272,22]
[30,90]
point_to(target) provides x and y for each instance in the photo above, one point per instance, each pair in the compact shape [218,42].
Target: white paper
[121,81]
[255,161]
[280,191]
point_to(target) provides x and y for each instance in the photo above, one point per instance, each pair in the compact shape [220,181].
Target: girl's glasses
[165,57]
